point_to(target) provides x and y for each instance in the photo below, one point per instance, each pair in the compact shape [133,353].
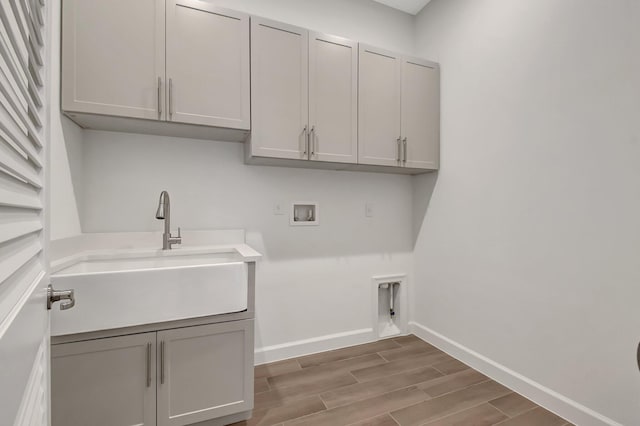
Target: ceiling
[409,6]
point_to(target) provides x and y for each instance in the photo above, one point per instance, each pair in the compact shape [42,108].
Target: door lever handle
[54,296]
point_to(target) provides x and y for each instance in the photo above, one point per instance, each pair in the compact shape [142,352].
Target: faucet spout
[164,213]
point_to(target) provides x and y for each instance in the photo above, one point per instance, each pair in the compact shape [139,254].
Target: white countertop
[132,245]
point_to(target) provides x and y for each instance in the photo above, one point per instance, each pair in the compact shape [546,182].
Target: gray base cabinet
[168,378]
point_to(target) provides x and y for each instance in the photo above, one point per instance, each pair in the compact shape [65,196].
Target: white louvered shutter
[22,117]
[23,269]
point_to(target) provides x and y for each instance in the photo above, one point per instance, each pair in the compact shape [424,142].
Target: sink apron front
[108,300]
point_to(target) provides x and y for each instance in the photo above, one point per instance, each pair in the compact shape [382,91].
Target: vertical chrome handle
[159,95]
[312,140]
[170,97]
[399,150]
[306,140]
[148,364]
[404,147]
[162,362]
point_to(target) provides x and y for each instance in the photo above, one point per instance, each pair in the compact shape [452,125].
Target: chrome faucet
[164,213]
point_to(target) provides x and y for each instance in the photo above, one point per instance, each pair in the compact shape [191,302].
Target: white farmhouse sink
[149,287]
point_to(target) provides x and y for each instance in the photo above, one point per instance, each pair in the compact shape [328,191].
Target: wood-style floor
[402,381]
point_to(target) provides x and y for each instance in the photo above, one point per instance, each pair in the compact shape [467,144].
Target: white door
[379,107]
[279,90]
[333,99]
[205,372]
[104,382]
[114,57]
[207,65]
[421,113]
[24,319]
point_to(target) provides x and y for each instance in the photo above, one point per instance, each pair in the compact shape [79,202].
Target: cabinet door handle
[170,97]
[162,362]
[399,150]
[159,96]
[404,147]
[148,364]
[312,138]
[306,140]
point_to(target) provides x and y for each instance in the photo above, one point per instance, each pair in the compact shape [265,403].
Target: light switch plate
[278,208]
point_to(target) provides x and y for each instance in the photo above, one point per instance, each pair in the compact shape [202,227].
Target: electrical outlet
[368,210]
[278,209]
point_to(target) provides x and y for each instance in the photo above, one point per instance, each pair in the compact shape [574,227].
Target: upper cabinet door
[279,90]
[207,65]
[113,57]
[205,372]
[333,99]
[379,107]
[421,113]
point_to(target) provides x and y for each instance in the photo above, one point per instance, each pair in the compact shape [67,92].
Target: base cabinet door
[204,372]
[104,382]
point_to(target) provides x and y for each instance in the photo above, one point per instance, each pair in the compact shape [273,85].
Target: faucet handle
[179,236]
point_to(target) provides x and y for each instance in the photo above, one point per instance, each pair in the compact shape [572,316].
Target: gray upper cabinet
[180,61]
[207,65]
[399,110]
[333,99]
[113,57]
[304,94]
[189,68]
[279,90]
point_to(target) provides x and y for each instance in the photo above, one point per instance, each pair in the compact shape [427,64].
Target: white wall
[525,243]
[360,20]
[65,151]
[528,250]
[313,281]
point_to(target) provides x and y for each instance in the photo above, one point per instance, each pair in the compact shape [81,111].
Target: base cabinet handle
[170,98]
[159,96]
[162,362]
[148,365]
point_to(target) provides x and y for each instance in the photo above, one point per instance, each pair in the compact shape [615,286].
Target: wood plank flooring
[395,382]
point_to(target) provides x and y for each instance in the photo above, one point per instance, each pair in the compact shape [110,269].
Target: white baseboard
[541,395]
[314,345]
